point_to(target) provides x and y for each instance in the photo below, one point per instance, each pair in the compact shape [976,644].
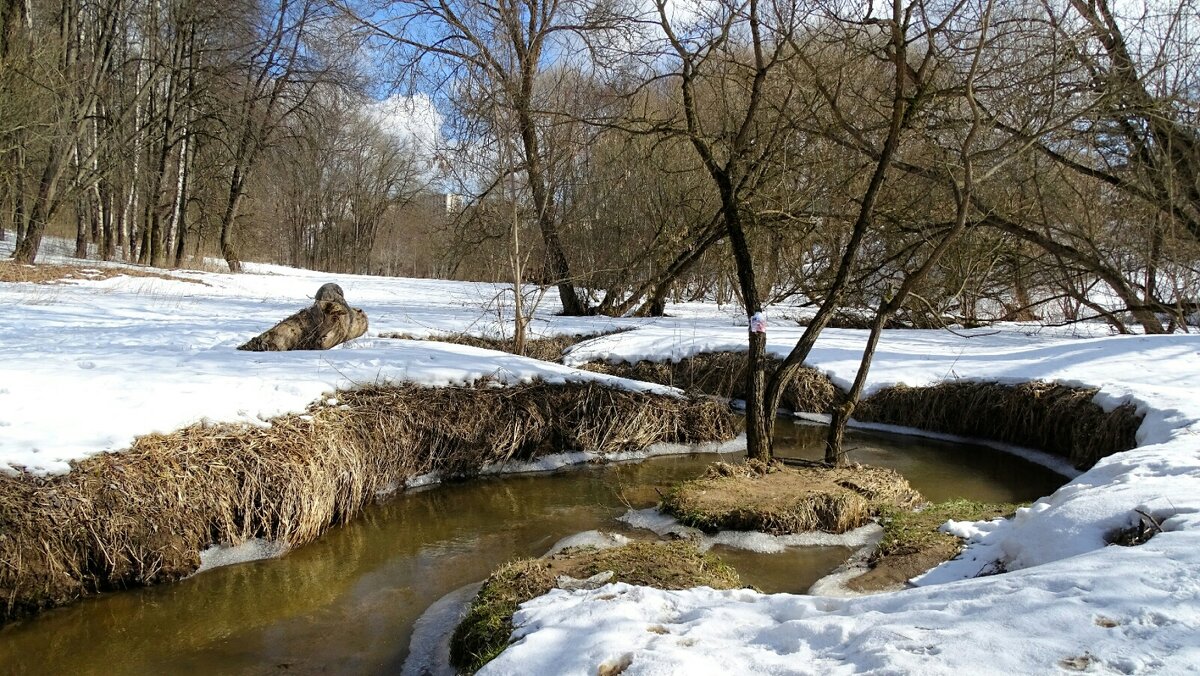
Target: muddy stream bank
[346,603]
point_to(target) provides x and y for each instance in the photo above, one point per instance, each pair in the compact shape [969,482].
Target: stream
[346,604]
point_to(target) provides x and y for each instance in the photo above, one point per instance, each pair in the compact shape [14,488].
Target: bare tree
[78,77]
[506,46]
[962,183]
[274,76]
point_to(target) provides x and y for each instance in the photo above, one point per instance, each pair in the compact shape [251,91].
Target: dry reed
[723,374]
[549,348]
[142,516]
[1053,418]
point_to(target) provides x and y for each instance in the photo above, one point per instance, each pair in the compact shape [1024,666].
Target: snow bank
[1067,600]
[90,364]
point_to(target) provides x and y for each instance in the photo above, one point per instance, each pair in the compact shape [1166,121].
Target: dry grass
[1054,418]
[46,273]
[782,500]
[484,632]
[550,348]
[723,374]
[142,516]
[719,374]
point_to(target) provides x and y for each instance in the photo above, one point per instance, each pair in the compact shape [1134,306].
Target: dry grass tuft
[142,516]
[782,500]
[46,273]
[485,630]
[1054,418]
[723,374]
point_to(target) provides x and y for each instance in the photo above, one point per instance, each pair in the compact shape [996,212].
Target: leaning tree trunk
[899,120]
[234,200]
[962,196]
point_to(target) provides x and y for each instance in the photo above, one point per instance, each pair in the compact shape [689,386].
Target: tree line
[903,163]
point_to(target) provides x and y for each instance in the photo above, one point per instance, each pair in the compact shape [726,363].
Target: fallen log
[329,321]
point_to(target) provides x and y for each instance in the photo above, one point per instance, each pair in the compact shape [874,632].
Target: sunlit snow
[90,365]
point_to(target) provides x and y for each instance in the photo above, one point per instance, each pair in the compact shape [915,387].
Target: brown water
[346,604]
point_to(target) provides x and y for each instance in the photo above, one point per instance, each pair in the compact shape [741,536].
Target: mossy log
[328,322]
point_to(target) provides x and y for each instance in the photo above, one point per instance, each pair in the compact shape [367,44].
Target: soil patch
[723,374]
[143,515]
[912,543]
[782,500]
[1057,419]
[485,630]
[46,273]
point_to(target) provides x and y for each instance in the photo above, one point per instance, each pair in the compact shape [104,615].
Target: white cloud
[410,119]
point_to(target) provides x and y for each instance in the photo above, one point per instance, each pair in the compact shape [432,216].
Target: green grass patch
[906,532]
[912,543]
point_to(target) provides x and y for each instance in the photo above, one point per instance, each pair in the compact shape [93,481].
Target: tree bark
[329,322]
[795,359]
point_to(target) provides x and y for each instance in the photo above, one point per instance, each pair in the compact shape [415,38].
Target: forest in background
[949,160]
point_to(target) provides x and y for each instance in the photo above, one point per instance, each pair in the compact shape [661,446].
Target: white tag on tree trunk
[758,323]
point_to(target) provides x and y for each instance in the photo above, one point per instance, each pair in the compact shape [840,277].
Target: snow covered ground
[87,366]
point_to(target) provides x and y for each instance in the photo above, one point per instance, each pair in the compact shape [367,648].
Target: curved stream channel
[346,603]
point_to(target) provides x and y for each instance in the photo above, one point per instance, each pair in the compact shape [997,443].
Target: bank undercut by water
[142,516]
[1057,419]
[723,374]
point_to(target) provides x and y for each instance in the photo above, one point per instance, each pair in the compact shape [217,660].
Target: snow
[667,526]
[90,365]
[429,647]
[255,549]
[127,356]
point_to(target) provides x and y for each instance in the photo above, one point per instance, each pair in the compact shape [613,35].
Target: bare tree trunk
[43,205]
[81,228]
[759,419]
[962,196]
[183,195]
[232,202]
[833,298]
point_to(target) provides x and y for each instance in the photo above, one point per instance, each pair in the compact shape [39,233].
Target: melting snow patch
[429,648]
[765,543]
[665,525]
[653,520]
[589,538]
[251,550]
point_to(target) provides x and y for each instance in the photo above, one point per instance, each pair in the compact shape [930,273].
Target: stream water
[346,604]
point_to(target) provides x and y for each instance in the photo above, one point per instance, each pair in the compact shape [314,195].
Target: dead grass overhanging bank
[1054,418]
[548,348]
[142,516]
[723,374]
